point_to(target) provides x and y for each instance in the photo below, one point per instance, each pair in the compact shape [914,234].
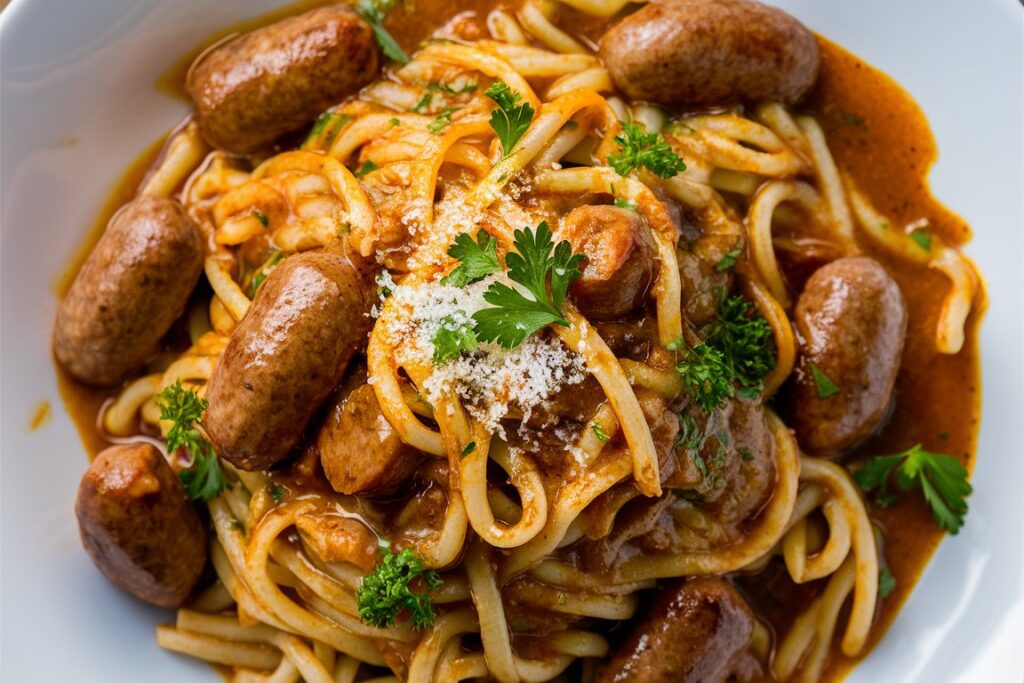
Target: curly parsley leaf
[737,354]
[538,266]
[941,479]
[452,338]
[477,259]
[184,408]
[512,117]
[386,590]
[706,376]
[373,11]
[640,149]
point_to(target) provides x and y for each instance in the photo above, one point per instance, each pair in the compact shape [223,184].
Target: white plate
[78,105]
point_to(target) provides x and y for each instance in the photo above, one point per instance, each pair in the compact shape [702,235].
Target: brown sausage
[620,262]
[250,91]
[138,526]
[711,52]
[851,322]
[310,317]
[129,291]
[694,633]
[359,449]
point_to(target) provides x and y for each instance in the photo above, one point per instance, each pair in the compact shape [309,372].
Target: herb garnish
[729,260]
[373,11]
[277,493]
[442,121]
[941,478]
[736,355]
[204,479]
[468,448]
[923,238]
[367,167]
[326,127]
[452,338]
[539,266]
[263,271]
[640,149]
[261,217]
[886,582]
[824,384]
[385,590]
[601,435]
[477,259]
[512,117]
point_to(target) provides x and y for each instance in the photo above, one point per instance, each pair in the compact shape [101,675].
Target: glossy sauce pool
[876,133]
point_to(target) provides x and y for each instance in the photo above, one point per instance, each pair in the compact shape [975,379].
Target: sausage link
[851,321]
[253,89]
[360,451]
[137,525]
[130,290]
[620,264]
[711,52]
[310,317]
[694,633]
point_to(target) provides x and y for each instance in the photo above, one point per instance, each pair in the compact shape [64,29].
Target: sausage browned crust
[310,317]
[251,90]
[694,633]
[709,52]
[851,321]
[359,449]
[620,264]
[138,526]
[129,291]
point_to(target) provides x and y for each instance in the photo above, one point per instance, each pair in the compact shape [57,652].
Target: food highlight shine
[498,342]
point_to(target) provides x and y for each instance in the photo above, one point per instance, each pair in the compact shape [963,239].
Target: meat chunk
[851,322]
[620,264]
[251,90]
[711,52]
[339,539]
[139,527]
[359,449]
[310,317]
[695,633]
[129,291]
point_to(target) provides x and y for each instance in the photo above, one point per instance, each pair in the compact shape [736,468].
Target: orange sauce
[41,416]
[876,133]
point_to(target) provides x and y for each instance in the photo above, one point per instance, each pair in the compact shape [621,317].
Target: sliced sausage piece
[139,527]
[129,291]
[851,321]
[620,264]
[695,632]
[359,449]
[711,52]
[251,90]
[310,317]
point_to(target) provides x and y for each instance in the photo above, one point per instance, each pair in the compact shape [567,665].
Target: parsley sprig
[385,591]
[734,358]
[512,117]
[640,149]
[941,479]
[477,259]
[374,11]
[204,480]
[545,271]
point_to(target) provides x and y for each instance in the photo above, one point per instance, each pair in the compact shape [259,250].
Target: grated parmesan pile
[492,381]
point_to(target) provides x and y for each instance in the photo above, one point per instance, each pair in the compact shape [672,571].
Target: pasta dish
[547,340]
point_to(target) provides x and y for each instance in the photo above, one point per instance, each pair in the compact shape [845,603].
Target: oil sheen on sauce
[879,135]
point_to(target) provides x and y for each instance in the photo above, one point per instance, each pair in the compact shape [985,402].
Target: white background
[83,70]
